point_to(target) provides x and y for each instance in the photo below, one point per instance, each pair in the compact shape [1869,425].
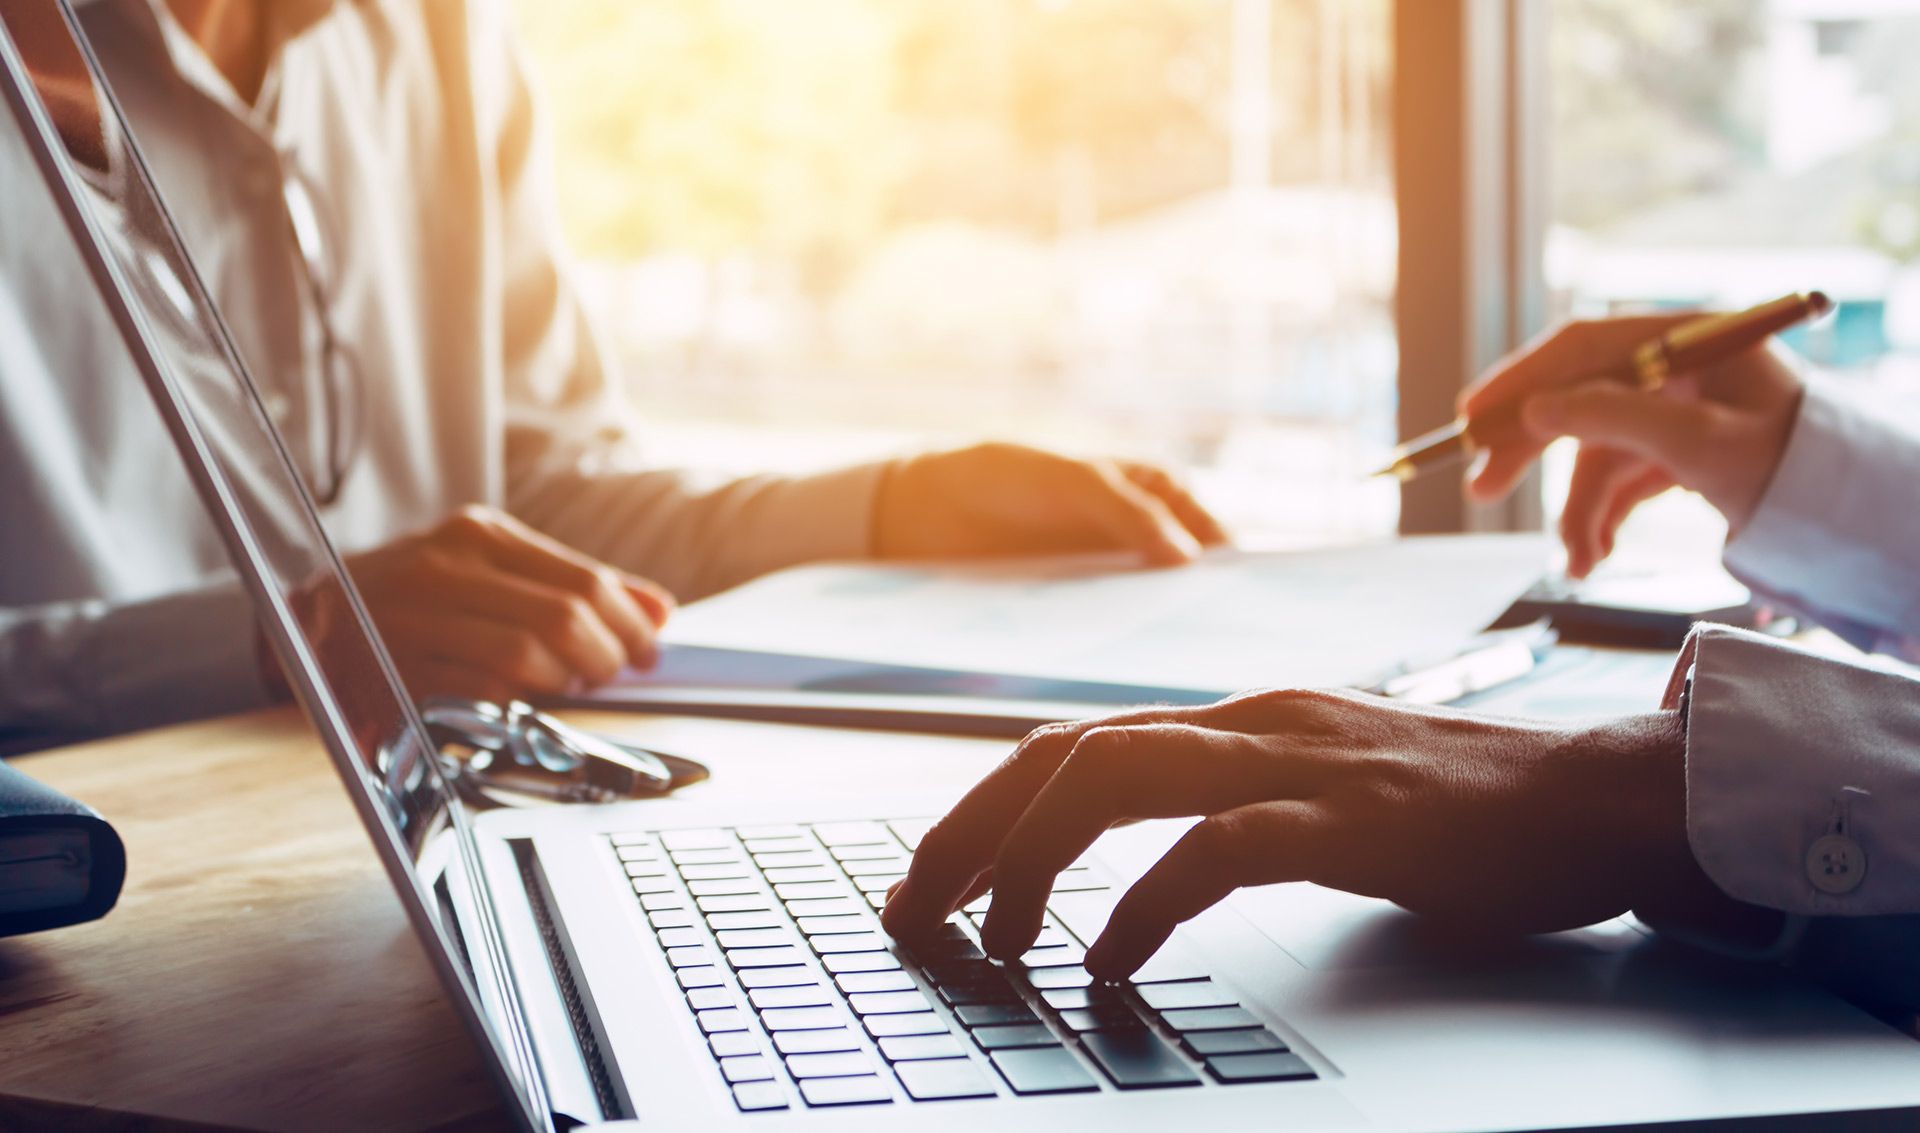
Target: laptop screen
[68,163]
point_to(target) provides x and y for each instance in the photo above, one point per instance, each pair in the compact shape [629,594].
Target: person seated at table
[1768,805]
[365,189]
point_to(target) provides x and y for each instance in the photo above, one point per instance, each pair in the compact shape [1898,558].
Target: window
[1720,152]
[823,229]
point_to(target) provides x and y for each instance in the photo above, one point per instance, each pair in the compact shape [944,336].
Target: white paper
[1237,619]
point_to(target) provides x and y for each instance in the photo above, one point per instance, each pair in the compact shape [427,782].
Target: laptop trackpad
[1327,930]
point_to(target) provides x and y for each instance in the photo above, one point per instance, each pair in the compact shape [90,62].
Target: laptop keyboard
[774,937]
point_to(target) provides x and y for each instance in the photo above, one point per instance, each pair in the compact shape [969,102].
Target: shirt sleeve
[1802,776]
[71,670]
[1837,536]
[570,464]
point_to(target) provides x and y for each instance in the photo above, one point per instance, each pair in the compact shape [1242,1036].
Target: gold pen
[1690,346]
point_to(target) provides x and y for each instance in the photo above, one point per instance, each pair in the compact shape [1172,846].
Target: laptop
[699,966]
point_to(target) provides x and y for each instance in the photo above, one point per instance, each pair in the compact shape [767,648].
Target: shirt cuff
[1835,536]
[1802,773]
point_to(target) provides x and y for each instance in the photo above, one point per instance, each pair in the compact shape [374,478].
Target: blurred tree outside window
[819,230]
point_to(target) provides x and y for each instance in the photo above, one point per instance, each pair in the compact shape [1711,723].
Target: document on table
[1059,628]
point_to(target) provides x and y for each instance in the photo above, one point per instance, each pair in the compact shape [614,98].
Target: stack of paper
[1088,629]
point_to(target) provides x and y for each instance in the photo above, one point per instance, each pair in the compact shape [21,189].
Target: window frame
[1469,118]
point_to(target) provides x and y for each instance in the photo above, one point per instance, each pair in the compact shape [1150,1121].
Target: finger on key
[1119,773]
[955,851]
[1261,844]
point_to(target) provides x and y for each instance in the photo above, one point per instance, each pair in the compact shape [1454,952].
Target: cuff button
[1836,864]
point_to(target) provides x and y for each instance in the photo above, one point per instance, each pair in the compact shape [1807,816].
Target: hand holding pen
[1655,401]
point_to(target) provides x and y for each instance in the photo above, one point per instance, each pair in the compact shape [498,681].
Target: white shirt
[413,124]
[1803,771]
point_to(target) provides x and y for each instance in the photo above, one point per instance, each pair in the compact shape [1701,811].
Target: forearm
[697,537]
[75,669]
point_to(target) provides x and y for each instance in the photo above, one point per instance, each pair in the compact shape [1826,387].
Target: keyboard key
[910,830]
[837,1065]
[864,1090]
[758,846]
[1014,1037]
[907,1048]
[810,890]
[803,995]
[1045,1070]
[826,907]
[1081,998]
[877,884]
[1077,881]
[1202,1044]
[995,1014]
[876,899]
[758,832]
[851,833]
[984,991]
[1138,1060]
[747,1068]
[728,887]
[840,962]
[1083,914]
[735,903]
[935,951]
[695,839]
[761,918]
[722,1019]
[672,918]
[855,982]
[781,859]
[704,998]
[815,1042]
[849,942]
[1196,993]
[933,1081]
[755,1096]
[1058,956]
[704,857]
[828,926]
[794,975]
[681,937]
[1167,966]
[786,875]
[1044,978]
[1209,1019]
[755,937]
[802,1018]
[978,906]
[1267,1066]
[918,1023]
[729,1044]
[723,872]
[654,902]
[887,1002]
[691,978]
[698,956]
[633,838]
[765,957]
[852,856]
[1105,1017]
[645,885]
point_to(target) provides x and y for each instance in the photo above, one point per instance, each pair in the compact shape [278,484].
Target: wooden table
[258,971]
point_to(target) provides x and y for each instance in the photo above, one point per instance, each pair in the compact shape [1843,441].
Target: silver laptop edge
[428,808]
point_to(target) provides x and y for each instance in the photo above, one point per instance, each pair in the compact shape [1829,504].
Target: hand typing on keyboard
[1526,826]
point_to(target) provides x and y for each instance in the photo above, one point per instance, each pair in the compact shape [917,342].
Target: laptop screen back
[67,161]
